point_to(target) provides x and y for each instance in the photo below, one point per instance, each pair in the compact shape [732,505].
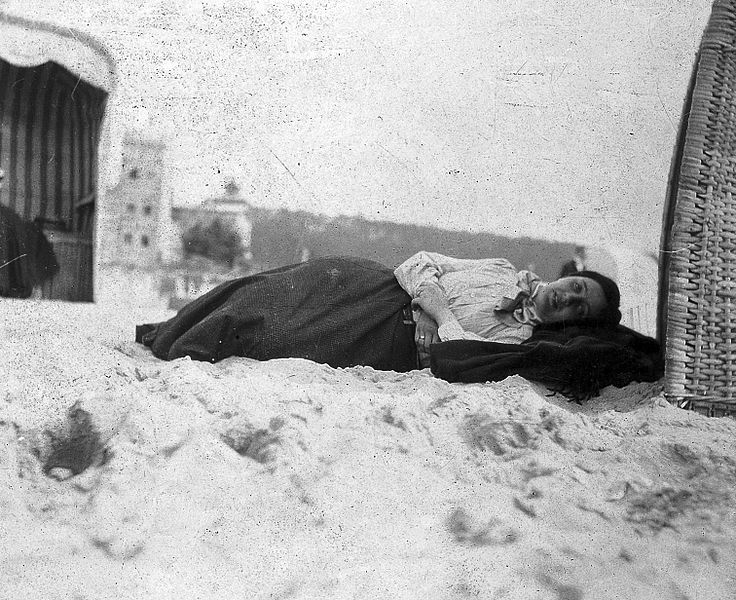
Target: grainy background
[549,118]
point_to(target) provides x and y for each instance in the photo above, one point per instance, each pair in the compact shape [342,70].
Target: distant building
[130,224]
[230,208]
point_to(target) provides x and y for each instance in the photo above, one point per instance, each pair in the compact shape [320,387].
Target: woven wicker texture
[699,236]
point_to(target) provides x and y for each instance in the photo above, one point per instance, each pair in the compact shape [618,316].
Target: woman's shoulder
[496,263]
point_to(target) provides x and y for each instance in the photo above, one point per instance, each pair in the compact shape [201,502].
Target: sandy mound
[128,477]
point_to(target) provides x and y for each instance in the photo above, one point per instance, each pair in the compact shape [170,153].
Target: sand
[127,477]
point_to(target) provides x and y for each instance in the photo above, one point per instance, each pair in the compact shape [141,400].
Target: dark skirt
[339,311]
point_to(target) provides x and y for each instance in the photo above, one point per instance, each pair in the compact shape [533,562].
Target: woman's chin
[544,317]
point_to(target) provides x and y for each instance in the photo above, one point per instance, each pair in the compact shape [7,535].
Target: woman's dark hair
[611,314]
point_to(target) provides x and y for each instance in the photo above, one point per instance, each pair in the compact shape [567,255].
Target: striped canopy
[54,84]
[48,141]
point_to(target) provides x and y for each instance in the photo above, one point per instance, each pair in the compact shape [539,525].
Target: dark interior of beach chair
[697,296]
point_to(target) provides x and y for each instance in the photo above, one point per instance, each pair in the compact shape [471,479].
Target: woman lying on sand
[350,311]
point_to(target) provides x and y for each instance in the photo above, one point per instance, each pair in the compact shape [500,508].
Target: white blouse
[473,288]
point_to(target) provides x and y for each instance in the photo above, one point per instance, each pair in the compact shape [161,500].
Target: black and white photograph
[368,299]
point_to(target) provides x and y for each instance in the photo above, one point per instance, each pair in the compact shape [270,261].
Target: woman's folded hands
[432,300]
[425,335]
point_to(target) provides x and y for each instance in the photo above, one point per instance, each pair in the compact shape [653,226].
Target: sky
[552,119]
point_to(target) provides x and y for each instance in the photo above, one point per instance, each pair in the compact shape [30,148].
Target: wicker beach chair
[697,311]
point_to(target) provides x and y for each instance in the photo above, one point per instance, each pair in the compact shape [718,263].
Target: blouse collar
[516,306]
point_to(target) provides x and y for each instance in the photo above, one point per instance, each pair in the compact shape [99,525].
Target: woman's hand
[432,300]
[425,334]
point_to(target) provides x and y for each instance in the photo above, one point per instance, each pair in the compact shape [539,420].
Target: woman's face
[570,299]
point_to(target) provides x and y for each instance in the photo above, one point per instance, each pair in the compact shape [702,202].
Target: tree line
[282,237]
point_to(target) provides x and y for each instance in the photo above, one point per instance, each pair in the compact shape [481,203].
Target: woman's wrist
[444,317]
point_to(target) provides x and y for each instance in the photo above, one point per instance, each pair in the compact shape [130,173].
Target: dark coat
[577,361]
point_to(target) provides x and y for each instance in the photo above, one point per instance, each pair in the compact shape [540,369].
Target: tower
[133,208]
